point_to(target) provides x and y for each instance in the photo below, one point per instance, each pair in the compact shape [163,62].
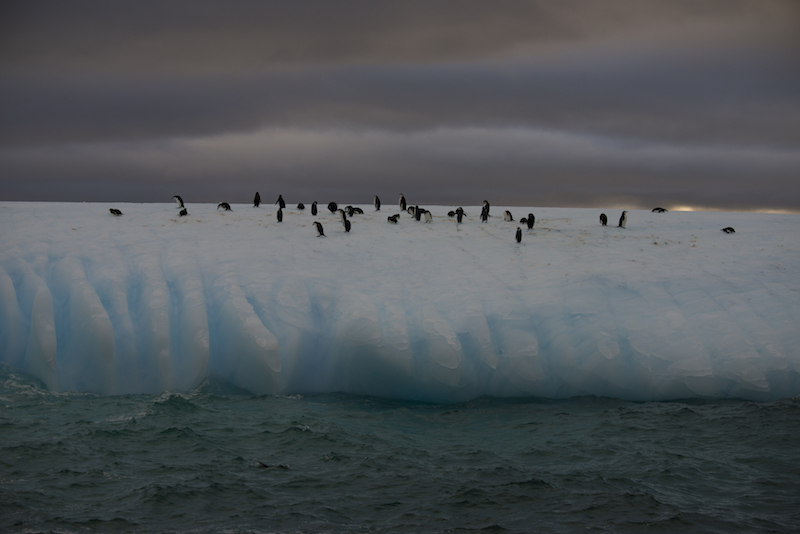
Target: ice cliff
[668,307]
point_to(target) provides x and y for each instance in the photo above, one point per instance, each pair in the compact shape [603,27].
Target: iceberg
[669,307]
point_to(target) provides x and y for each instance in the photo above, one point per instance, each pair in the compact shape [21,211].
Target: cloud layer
[572,103]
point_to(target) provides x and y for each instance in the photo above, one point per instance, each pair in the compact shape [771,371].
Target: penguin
[314,208]
[393,218]
[350,211]
[377,203]
[347,226]
[281,204]
[658,210]
[257,200]
[279,214]
[519,234]
[523,220]
[507,216]
[530,221]
[224,205]
[451,214]
[486,207]
[410,210]
[402,202]
[358,211]
[318,226]
[115,212]
[428,217]
[603,219]
[332,207]
[342,216]
[179,200]
[459,215]
[183,213]
[417,213]
[301,206]
[729,230]
[484,213]
[623,219]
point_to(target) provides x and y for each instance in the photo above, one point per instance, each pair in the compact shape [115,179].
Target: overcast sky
[596,103]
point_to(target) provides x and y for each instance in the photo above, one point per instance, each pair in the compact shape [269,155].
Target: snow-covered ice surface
[669,307]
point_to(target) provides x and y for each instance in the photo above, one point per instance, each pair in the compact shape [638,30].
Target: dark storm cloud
[686,102]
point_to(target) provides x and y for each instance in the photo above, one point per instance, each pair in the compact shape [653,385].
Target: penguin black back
[257,200]
[314,208]
[603,219]
[519,234]
[224,205]
[377,203]
[281,204]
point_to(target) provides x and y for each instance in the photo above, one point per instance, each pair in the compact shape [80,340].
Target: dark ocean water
[337,463]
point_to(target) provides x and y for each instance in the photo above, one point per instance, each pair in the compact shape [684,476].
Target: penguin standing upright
[484,213]
[280,215]
[377,203]
[623,219]
[402,202]
[281,204]
[486,207]
[428,217]
[603,219]
[314,208]
[347,226]
[459,215]
[332,207]
[257,200]
[530,221]
[417,213]
[507,216]
[519,234]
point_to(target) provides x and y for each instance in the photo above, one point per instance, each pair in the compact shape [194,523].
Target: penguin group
[418,213]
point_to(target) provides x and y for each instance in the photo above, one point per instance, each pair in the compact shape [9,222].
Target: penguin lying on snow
[729,230]
[115,212]
[183,213]
[224,205]
[658,210]
[393,218]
